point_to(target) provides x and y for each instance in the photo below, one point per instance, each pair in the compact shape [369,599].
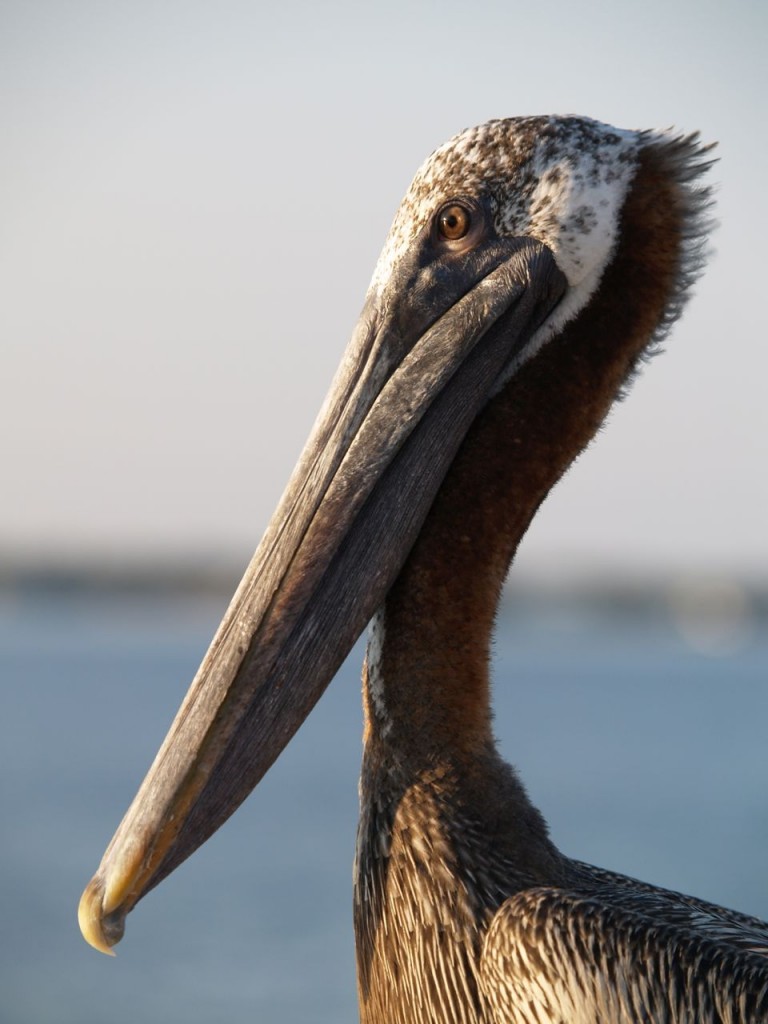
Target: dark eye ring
[454,221]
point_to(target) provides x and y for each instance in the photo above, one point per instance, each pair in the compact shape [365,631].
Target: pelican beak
[429,350]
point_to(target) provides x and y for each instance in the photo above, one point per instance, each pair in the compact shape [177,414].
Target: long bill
[424,359]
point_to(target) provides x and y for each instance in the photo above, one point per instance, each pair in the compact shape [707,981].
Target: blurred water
[644,755]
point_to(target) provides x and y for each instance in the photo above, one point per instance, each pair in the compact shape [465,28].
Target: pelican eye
[454,221]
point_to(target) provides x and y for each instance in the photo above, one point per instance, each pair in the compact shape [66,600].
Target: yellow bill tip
[100,930]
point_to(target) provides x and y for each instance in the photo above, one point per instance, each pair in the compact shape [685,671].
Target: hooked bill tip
[100,930]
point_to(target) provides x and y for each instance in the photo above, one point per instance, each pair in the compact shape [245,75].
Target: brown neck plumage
[432,666]
[447,832]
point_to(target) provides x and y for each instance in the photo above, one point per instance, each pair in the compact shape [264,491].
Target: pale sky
[192,200]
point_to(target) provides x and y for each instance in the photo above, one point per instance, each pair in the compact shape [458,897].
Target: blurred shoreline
[712,612]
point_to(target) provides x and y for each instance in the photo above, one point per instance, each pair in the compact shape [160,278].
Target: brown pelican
[531,266]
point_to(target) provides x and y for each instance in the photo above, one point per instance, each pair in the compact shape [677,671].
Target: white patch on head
[560,180]
[574,210]
[575,204]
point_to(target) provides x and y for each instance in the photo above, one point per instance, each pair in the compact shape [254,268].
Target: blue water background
[645,755]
